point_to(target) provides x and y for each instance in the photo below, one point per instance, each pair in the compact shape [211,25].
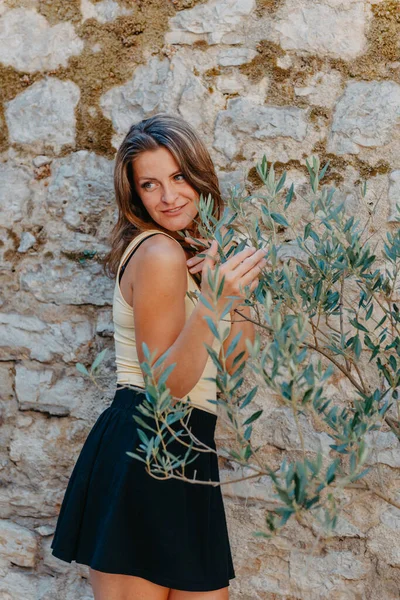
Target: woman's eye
[146,184]
[180,175]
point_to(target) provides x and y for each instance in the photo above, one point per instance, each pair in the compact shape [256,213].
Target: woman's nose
[169,194]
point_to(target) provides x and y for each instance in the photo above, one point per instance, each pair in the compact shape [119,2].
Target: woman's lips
[175,212]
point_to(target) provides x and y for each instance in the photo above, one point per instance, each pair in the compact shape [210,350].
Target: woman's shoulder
[160,250]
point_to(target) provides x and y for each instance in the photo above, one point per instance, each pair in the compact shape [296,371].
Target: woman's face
[163,188]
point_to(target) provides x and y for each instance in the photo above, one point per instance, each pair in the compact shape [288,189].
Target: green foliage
[330,309]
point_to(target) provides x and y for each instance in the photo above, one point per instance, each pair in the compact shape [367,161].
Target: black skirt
[117,518]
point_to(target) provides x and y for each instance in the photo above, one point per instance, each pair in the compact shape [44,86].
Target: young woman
[146,539]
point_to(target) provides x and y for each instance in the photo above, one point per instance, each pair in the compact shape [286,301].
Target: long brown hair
[194,160]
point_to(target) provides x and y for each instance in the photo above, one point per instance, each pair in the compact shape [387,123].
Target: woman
[141,537]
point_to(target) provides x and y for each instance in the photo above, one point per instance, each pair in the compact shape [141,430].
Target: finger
[194,260]
[211,255]
[253,274]
[235,260]
[197,268]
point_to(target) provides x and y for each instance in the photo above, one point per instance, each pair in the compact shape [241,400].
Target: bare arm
[159,288]
[159,277]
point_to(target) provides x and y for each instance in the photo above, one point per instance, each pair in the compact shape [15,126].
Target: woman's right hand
[241,270]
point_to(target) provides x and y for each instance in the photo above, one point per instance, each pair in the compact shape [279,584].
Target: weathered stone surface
[394,196]
[284,434]
[365,116]
[104,11]
[384,540]
[244,118]
[40,390]
[53,445]
[29,43]
[17,544]
[298,26]
[14,586]
[80,189]
[68,283]
[44,114]
[322,89]
[26,242]
[14,192]
[235,56]
[384,448]
[160,85]
[209,21]
[323,576]
[24,336]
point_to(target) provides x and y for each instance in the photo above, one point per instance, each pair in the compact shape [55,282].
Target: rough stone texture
[17,544]
[299,27]
[284,78]
[40,390]
[28,43]
[212,22]
[367,115]
[104,11]
[236,56]
[394,196]
[322,89]
[80,189]
[28,336]
[44,115]
[63,283]
[243,119]
[14,192]
[161,85]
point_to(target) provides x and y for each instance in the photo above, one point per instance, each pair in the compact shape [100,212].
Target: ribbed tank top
[126,358]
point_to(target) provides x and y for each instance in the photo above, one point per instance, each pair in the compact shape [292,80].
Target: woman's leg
[107,586]
[222,594]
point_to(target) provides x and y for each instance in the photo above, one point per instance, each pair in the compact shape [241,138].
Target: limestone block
[40,390]
[46,449]
[384,448]
[17,544]
[326,576]
[394,196]
[80,189]
[68,283]
[322,89]
[104,11]
[14,192]
[284,433]
[209,21]
[44,114]
[25,336]
[298,26]
[229,179]
[163,86]
[243,118]
[384,540]
[365,116]
[235,56]
[26,242]
[28,43]
[18,586]
[32,500]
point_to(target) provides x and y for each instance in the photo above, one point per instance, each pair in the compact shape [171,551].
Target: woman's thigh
[108,586]
[222,594]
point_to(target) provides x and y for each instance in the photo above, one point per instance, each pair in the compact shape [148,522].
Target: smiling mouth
[172,211]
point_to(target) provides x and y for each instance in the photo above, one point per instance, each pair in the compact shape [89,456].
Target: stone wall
[285,78]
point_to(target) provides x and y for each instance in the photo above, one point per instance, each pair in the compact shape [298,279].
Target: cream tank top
[126,358]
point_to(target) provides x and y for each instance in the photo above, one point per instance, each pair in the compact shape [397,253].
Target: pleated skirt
[116,518]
